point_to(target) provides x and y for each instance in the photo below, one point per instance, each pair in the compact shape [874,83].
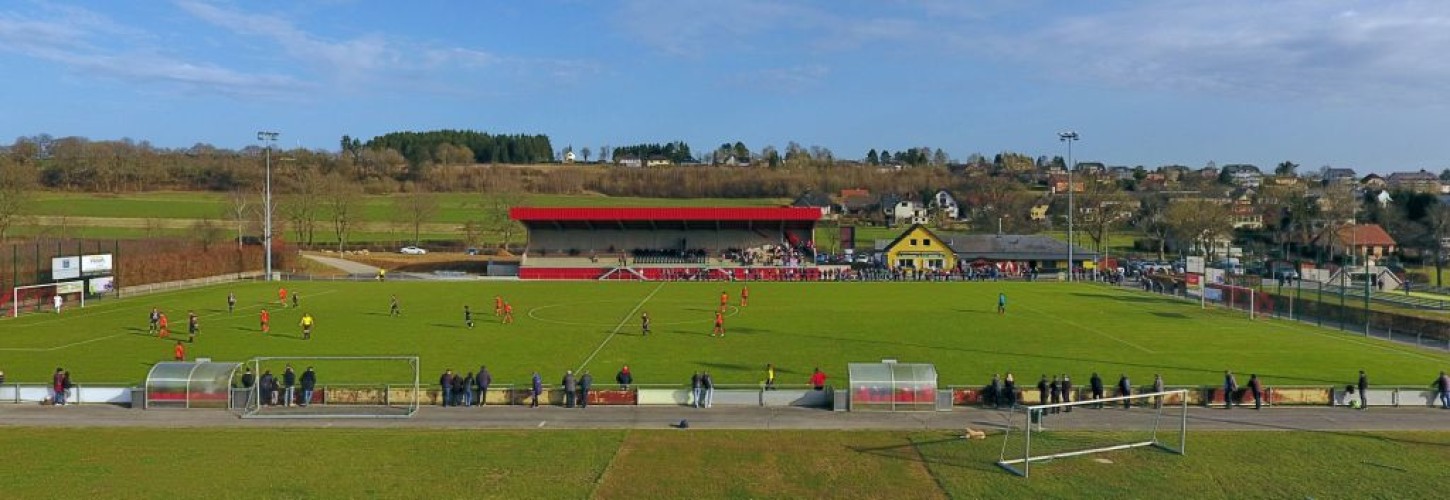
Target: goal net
[1049,432]
[346,387]
[41,298]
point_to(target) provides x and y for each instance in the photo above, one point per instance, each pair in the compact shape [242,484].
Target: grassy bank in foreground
[390,463]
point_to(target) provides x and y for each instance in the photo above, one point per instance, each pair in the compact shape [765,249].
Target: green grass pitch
[1049,328]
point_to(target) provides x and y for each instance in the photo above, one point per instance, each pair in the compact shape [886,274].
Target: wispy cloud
[1323,50]
[92,43]
[792,79]
[375,58]
[701,28]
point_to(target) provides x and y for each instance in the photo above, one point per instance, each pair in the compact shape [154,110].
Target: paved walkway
[761,418]
[345,265]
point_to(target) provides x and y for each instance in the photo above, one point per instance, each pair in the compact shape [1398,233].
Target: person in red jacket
[818,380]
[266,321]
[165,327]
[180,351]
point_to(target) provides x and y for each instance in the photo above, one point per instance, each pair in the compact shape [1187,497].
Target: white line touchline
[1094,330]
[626,319]
[57,348]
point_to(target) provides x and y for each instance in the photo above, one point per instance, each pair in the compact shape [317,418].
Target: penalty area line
[614,332]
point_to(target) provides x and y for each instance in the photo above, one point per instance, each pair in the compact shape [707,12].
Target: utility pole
[1069,137]
[270,139]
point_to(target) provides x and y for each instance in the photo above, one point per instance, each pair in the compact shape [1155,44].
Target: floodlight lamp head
[1067,136]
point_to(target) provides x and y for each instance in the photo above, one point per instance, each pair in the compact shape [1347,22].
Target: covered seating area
[892,386]
[633,242]
[190,384]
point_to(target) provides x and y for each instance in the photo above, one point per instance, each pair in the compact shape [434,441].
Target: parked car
[472,251]
[411,250]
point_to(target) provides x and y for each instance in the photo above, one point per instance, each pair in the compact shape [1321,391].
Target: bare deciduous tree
[414,209]
[342,201]
[208,232]
[17,186]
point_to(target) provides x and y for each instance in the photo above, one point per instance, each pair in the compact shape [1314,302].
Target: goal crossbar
[15,299]
[1022,466]
[255,395]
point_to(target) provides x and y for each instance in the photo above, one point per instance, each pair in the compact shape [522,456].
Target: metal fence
[1328,306]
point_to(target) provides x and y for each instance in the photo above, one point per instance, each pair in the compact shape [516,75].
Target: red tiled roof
[1365,235]
[538,214]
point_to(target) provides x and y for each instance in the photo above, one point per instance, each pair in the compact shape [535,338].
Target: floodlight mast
[269,139]
[1069,137]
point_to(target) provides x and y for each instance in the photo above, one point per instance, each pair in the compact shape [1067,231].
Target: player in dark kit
[155,319]
[644,324]
[231,302]
[468,316]
[191,327]
[393,309]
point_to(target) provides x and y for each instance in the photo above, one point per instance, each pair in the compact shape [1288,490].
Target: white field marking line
[117,308]
[98,339]
[731,311]
[626,319]
[109,302]
[1093,330]
[57,348]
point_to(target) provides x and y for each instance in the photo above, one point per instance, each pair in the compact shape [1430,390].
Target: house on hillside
[1038,211]
[736,161]
[629,161]
[944,203]
[569,156]
[1359,239]
[1243,175]
[814,199]
[859,205]
[1339,177]
[1419,182]
[1373,182]
[908,212]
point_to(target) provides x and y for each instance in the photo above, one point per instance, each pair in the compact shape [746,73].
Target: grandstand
[694,243]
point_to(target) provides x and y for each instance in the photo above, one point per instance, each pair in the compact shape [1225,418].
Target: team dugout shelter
[668,243]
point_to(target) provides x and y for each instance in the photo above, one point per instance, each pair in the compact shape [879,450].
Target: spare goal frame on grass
[1034,414]
[409,407]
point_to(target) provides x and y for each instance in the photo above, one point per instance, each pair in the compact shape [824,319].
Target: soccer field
[1049,328]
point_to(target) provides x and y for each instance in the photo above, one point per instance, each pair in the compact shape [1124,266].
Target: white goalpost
[40,297]
[1053,431]
[346,387]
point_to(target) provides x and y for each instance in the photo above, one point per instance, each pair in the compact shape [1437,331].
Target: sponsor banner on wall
[96,264]
[102,285]
[64,268]
[70,287]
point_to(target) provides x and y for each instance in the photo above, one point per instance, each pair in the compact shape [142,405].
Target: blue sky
[1323,82]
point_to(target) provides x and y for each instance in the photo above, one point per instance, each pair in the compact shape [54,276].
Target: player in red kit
[266,321]
[719,325]
[744,296]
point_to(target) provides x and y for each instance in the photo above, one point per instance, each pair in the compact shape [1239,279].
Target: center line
[626,319]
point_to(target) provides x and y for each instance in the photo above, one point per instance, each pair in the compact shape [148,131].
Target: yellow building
[919,248]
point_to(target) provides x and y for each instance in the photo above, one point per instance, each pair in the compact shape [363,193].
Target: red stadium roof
[565,214]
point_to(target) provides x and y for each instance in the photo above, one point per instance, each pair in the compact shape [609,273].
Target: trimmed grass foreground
[390,463]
